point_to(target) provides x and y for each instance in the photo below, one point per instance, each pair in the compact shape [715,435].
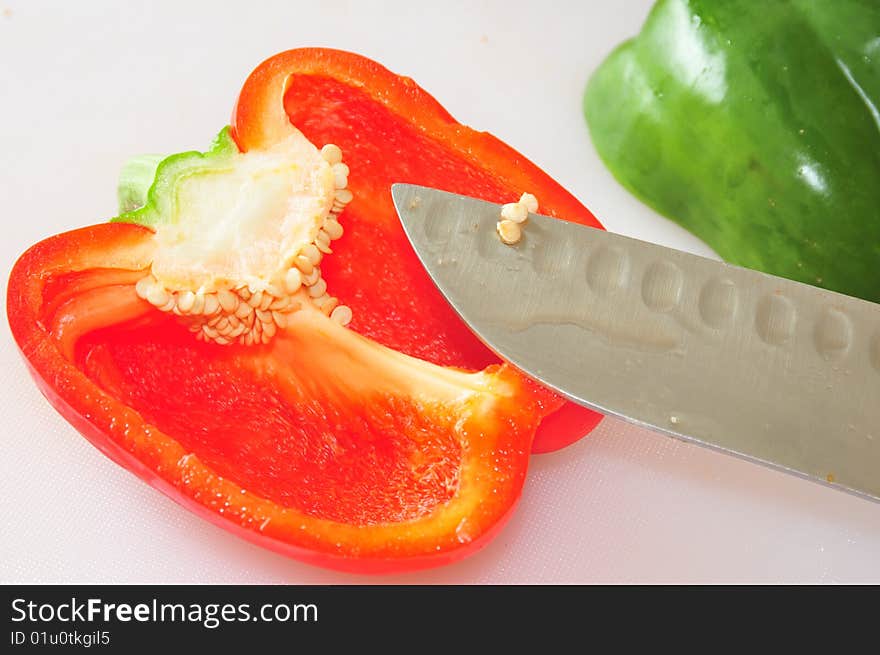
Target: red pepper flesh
[323,445]
[391,130]
[347,475]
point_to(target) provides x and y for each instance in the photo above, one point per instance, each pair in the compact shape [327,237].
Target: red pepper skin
[108,361]
[390,130]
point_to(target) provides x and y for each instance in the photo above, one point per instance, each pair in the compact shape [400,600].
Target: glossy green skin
[754,125]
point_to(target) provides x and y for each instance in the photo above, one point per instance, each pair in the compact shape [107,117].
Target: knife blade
[765,368]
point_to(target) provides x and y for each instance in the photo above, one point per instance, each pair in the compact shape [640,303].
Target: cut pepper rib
[391,130]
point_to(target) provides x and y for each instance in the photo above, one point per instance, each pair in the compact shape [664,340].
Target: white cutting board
[86,84]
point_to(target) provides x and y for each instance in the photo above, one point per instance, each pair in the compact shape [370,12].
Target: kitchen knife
[772,370]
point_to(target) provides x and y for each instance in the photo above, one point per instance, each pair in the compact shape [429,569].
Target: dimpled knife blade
[772,370]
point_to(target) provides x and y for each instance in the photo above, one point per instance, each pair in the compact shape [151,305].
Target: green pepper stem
[135,180]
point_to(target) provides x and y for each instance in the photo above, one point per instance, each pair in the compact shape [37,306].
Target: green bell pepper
[755,125]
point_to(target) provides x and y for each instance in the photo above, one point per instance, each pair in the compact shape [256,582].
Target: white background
[84,85]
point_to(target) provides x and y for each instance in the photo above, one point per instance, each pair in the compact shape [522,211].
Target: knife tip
[407,199]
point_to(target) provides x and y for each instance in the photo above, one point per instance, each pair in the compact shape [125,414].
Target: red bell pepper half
[398,442]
